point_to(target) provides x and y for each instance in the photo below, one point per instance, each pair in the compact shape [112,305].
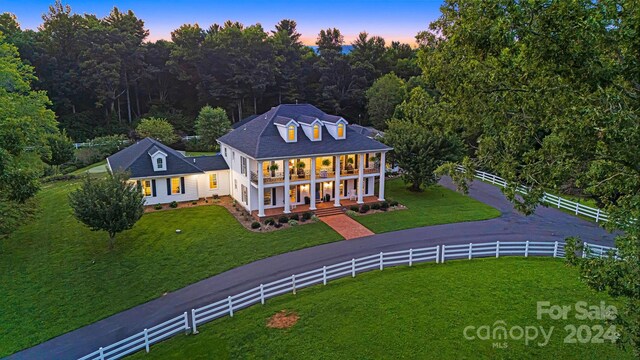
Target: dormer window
[158,159]
[316,132]
[291,133]
[288,128]
[336,127]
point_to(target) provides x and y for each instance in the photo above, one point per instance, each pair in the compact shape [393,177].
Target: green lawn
[200,153]
[406,313]
[435,205]
[55,275]
[97,167]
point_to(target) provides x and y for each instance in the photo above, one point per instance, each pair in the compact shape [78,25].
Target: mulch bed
[283,319]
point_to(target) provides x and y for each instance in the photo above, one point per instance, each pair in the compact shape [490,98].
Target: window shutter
[153,187]
[366,186]
[138,183]
[298,193]
[168,186]
[355,184]
[182,185]
[366,159]
[273,196]
[344,188]
[356,161]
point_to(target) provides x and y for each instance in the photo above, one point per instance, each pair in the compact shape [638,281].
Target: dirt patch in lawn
[283,320]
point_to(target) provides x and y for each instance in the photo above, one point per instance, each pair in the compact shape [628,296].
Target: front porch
[345,204]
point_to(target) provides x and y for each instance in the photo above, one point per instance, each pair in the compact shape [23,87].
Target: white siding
[204,190]
[190,191]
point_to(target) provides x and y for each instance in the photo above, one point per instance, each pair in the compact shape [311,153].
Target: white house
[292,155]
[167,175]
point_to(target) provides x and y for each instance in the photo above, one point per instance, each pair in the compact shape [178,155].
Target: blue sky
[394,20]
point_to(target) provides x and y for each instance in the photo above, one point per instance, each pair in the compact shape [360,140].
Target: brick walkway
[346,226]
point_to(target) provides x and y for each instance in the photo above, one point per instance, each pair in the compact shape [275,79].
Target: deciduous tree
[211,124]
[112,204]
[157,128]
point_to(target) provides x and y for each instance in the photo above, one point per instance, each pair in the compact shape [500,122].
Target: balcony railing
[278,177]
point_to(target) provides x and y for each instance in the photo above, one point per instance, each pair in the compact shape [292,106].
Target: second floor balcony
[271,177]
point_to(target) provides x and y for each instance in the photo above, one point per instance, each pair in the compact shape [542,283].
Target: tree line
[102,74]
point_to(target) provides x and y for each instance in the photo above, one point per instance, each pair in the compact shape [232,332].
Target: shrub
[351,213]
[277,226]
[295,217]
[315,218]
[158,207]
[283,219]
[269,221]
[194,203]
[216,197]
[393,203]
[364,208]
[173,205]
[59,178]
[255,225]
[384,205]
[293,222]
[375,206]
[307,215]
[354,208]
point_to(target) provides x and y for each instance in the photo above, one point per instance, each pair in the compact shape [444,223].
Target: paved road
[545,225]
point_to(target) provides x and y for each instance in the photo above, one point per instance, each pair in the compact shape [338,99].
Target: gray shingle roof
[260,139]
[282,120]
[243,121]
[136,160]
[304,119]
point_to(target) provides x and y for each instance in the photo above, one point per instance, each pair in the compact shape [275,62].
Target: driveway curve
[547,224]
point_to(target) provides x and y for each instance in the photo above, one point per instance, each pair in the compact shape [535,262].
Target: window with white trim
[245,195]
[213,181]
[146,187]
[175,186]
[243,165]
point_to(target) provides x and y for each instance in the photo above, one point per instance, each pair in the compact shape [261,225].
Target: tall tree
[211,124]
[382,98]
[25,123]
[157,128]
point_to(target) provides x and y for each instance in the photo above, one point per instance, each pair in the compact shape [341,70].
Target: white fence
[291,284]
[550,199]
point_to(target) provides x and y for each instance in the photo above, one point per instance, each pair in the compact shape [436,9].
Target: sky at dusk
[398,20]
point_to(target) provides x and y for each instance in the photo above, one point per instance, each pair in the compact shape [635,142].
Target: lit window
[159,163]
[213,181]
[316,132]
[340,130]
[175,186]
[292,133]
[146,187]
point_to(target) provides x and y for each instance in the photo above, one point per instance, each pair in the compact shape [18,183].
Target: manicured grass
[435,205]
[407,313]
[56,275]
[83,170]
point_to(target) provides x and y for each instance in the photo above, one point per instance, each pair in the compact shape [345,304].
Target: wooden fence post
[262,294]
[444,250]
[101,353]
[146,340]
[577,208]
[598,215]
[293,283]
[555,250]
[194,330]
[381,261]
[470,250]
[584,249]
[324,275]
[230,306]
[558,202]
[353,267]
[186,323]
[497,249]
[526,249]
[410,257]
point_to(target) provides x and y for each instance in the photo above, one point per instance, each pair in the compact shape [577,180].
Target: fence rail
[550,199]
[259,294]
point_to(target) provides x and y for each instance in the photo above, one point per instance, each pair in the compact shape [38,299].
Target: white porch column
[287,187]
[360,178]
[312,186]
[383,166]
[336,190]
[260,190]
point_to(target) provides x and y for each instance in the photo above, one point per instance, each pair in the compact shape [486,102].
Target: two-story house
[292,156]
[298,155]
